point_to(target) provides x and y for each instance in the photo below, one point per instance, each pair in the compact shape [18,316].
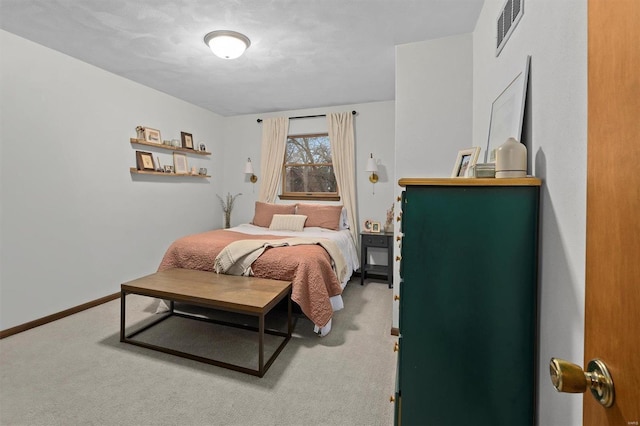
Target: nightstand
[378,240]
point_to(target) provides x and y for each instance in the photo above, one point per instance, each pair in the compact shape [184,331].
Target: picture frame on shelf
[375,227]
[152,135]
[168,168]
[144,161]
[187,140]
[367,225]
[180,165]
[464,161]
[507,113]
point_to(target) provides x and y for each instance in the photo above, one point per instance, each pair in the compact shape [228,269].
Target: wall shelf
[135,171]
[168,148]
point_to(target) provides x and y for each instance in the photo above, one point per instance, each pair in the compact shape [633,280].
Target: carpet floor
[75,371]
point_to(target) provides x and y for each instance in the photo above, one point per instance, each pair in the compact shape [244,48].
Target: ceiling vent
[509,17]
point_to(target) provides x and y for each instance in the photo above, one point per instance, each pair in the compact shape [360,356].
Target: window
[308,169]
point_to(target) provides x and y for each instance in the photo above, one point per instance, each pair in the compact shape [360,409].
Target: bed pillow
[322,215]
[288,222]
[265,211]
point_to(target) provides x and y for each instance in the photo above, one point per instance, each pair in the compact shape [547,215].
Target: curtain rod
[307,116]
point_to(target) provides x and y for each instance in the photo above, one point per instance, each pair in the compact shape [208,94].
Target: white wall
[433,112]
[374,133]
[554,33]
[75,224]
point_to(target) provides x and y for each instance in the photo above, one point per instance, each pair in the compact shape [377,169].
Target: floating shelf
[168,148]
[135,171]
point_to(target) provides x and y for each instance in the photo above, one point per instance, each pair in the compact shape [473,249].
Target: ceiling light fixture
[227,44]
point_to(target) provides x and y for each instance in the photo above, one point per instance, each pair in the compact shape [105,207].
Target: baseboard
[53,317]
[395,331]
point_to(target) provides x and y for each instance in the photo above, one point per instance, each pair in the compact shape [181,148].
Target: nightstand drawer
[375,240]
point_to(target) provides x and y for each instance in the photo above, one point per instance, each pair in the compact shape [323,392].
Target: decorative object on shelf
[248,170]
[227,44]
[187,140]
[388,225]
[367,225]
[466,158]
[168,168]
[202,147]
[158,165]
[511,160]
[140,132]
[193,170]
[227,207]
[175,143]
[144,161]
[202,171]
[152,135]
[180,163]
[507,113]
[483,170]
[166,142]
[375,227]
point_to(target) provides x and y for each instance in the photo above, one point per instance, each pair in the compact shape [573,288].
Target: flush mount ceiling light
[227,44]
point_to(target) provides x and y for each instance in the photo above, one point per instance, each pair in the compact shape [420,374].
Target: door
[612,305]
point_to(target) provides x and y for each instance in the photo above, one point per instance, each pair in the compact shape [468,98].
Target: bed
[310,267]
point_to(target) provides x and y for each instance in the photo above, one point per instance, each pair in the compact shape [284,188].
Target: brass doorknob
[396,297]
[399,199]
[569,377]
[396,348]
[392,398]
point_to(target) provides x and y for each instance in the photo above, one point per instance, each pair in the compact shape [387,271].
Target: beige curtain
[274,141]
[344,163]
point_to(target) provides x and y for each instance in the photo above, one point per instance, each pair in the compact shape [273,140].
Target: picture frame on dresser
[507,113]
[465,159]
[180,165]
[144,161]
[152,135]
[187,140]
[375,227]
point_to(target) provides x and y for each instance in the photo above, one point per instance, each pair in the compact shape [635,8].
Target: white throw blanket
[237,257]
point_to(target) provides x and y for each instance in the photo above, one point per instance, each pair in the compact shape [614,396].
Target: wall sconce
[372,167]
[248,170]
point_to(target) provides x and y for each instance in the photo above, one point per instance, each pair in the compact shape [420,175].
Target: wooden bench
[245,295]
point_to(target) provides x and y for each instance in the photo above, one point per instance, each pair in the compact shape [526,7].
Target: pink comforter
[308,267]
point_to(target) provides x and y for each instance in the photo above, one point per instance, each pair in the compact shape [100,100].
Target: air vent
[509,17]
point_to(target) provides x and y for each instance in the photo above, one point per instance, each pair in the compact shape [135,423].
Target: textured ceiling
[303,54]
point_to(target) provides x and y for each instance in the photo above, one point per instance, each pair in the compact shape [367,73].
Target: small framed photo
[466,158]
[152,135]
[375,226]
[168,168]
[187,140]
[367,225]
[144,161]
[180,165]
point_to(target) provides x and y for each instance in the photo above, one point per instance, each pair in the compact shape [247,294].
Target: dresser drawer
[375,240]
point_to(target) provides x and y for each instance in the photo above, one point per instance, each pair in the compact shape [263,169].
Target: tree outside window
[308,168]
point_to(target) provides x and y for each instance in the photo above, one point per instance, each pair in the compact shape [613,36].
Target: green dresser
[468,302]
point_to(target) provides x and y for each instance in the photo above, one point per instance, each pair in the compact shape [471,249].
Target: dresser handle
[396,297]
[396,348]
[398,258]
